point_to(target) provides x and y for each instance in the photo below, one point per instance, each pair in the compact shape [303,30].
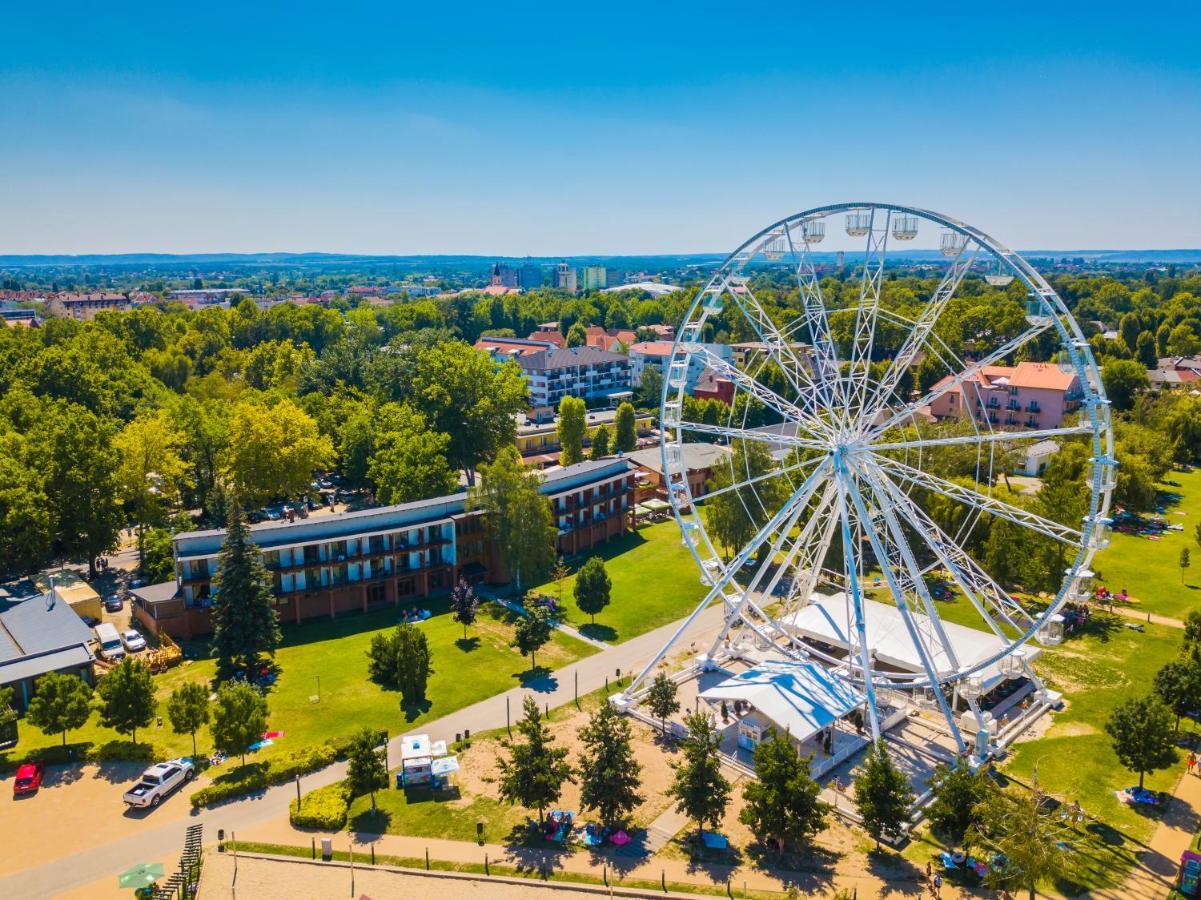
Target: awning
[828,620]
[800,698]
[444,766]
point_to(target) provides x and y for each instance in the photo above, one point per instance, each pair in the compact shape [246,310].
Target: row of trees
[126,701]
[572,430]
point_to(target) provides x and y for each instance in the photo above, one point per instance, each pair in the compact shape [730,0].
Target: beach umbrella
[141,875]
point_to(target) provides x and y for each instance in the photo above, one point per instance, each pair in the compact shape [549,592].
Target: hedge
[323,809]
[110,751]
[259,776]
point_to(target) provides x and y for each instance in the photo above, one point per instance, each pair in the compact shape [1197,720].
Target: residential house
[85,306]
[40,635]
[658,354]
[711,386]
[698,462]
[1028,395]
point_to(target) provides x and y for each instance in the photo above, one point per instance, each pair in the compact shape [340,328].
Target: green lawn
[423,813]
[655,581]
[1150,569]
[464,673]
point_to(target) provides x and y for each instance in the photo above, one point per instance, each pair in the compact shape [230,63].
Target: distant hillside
[476,261]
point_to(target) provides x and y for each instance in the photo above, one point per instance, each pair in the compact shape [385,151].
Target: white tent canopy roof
[829,620]
[801,698]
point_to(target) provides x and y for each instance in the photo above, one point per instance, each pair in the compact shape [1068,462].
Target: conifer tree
[245,622]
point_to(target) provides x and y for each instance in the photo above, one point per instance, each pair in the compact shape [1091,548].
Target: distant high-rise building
[594,278]
[530,276]
[565,277]
[840,259]
[504,276]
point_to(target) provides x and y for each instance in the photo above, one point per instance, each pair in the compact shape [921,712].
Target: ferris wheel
[824,386]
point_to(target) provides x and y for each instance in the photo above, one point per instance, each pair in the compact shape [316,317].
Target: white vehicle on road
[133,641]
[110,642]
[158,781]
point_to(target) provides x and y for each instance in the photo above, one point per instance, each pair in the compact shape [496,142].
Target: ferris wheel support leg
[856,595]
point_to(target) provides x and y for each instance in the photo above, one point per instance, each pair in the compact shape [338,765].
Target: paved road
[165,840]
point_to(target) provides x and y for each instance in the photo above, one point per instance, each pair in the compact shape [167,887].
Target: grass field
[1150,569]
[464,673]
[655,581]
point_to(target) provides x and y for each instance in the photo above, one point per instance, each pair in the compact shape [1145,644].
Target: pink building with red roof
[1028,395]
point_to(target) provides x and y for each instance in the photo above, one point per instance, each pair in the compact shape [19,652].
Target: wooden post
[508,719]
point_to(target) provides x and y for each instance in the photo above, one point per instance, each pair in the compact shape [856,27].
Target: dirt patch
[478,767]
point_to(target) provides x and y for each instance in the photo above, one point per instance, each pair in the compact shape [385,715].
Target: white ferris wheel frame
[843,416]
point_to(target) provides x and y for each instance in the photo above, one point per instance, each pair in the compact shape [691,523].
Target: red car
[29,778]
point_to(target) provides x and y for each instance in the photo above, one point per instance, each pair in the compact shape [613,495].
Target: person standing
[1192,762]
[938,884]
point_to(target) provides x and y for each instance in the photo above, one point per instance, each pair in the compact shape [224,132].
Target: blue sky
[599,128]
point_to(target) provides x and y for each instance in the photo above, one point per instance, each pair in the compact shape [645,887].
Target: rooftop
[568,357]
[696,457]
[39,635]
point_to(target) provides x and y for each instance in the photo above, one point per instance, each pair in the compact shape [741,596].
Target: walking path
[560,626]
[159,838]
[1140,616]
[1156,873]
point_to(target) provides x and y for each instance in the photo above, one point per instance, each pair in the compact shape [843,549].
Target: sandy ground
[478,769]
[270,879]
[71,805]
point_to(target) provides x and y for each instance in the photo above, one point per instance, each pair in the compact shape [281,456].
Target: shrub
[259,776]
[323,809]
[342,743]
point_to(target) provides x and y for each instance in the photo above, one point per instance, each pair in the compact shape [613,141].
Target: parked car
[29,778]
[272,513]
[114,603]
[158,781]
[132,641]
[344,495]
[254,516]
[110,642]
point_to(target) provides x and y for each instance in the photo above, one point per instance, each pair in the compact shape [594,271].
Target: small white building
[1035,458]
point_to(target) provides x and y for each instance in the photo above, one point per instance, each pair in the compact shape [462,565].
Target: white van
[110,641]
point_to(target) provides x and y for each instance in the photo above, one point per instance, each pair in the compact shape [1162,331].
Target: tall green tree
[1146,351]
[463,393]
[60,704]
[1123,379]
[625,436]
[409,461]
[650,387]
[592,587]
[959,795]
[245,622]
[782,803]
[401,659]
[188,709]
[239,718]
[531,632]
[127,700]
[151,472]
[734,516]
[518,519]
[662,699]
[699,788]
[600,443]
[882,794]
[610,774]
[274,450]
[1024,827]
[1143,735]
[1178,685]
[366,770]
[571,427]
[26,522]
[534,772]
[577,335]
[1185,562]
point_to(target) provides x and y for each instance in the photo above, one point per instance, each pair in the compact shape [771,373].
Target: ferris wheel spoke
[758,390]
[922,329]
[866,313]
[750,434]
[977,584]
[816,320]
[985,437]
[855,617]
[769,334]
[954,381]
[774,473]
[887,563]
[976,500]
[802,542]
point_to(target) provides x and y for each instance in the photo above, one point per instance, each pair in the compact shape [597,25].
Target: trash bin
[327,848]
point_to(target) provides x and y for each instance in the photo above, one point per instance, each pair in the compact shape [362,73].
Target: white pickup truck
[158,781]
